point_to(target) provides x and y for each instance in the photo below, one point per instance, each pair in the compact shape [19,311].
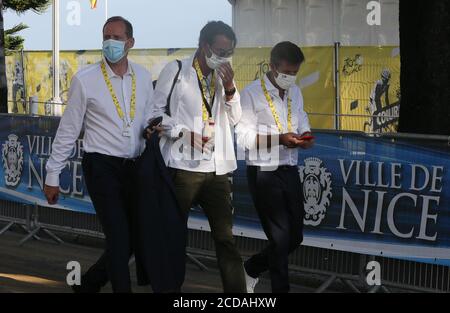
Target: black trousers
[278,199]
[110,183]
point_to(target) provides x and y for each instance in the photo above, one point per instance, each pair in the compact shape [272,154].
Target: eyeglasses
[222,52]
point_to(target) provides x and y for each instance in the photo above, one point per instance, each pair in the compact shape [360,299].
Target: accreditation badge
[126,132]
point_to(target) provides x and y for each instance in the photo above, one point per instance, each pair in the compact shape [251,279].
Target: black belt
[114,158]
[126,161]
[287,167]
[279,168]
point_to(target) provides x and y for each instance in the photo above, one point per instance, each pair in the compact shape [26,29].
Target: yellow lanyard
[212,90]
[274,110]
[114,97]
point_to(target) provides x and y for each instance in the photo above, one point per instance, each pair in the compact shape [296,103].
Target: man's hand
[289,140]
[52,194]
[150,131]
[195,140]
[305,144]
[208,145]
[161,130]
[227,74]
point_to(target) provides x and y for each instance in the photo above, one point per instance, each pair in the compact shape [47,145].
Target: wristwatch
[230,92]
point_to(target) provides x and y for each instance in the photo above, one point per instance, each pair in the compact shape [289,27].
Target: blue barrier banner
[26,146]
[362,194]
[372,196]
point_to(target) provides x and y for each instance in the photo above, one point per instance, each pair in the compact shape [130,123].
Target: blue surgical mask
[114,50]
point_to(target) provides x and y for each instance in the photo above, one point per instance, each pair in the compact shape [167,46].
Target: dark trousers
[212,193]
[110,182]
[278,199]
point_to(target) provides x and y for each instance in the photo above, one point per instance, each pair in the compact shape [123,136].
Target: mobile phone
[307,138]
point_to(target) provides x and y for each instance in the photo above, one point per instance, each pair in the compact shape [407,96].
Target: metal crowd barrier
[330,266]
[353,121]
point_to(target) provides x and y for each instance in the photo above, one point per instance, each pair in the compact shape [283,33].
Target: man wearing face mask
[111,100]
[197,142]
[273,119]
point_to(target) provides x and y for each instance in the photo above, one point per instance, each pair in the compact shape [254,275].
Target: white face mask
[214,61]
[285,81]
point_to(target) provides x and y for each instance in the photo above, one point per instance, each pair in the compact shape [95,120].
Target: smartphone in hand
[307,138]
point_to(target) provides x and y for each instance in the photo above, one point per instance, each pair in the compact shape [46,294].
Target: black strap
[167,110]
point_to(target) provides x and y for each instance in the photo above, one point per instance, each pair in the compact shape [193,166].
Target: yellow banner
[38,70]
[315,79]
[370,88]
[369,80]
[15,81]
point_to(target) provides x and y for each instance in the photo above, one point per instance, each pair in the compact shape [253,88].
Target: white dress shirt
[90,105]
[186,113]
[257,119]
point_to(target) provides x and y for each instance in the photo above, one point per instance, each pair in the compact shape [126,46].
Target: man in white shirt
[197,142]
[272,129]
[111,100]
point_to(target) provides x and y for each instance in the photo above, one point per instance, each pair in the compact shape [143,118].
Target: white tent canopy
[314,22]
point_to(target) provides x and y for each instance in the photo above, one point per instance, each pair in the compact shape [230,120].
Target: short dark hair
[215,28]
[128,26]
[286,51]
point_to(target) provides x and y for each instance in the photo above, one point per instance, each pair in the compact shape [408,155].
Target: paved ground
[41,267]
